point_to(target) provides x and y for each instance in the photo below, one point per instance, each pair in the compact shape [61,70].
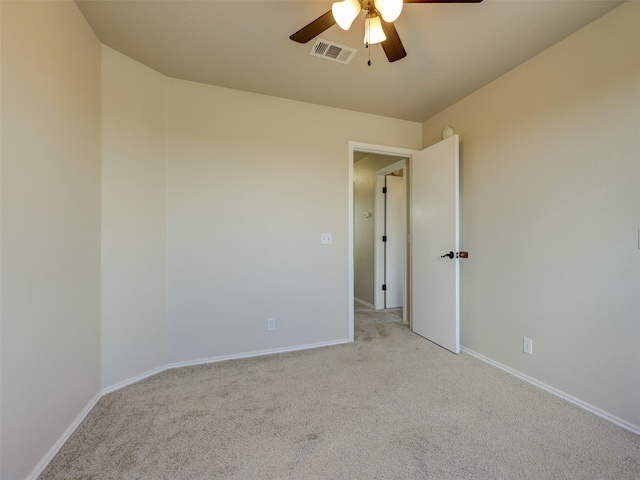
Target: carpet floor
[391,405]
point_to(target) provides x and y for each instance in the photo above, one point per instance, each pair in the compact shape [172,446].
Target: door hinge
[384,238]
[384,189]
[384,287]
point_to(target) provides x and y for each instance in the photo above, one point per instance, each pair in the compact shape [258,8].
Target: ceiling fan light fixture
[373,32]
[389,9]
[345,12]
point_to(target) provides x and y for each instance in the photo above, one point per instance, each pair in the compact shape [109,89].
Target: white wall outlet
[271,324]
[527,345]
[326,238]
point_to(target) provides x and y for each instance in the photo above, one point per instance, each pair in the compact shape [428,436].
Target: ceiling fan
[379,28]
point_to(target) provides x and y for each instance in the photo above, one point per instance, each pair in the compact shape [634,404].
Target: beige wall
[551,209]
[364,180]
[253,182]
[134,227]
[50,272]
[250,188]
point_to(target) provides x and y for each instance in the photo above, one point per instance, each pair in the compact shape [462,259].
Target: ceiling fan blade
[392,46]
[314,29]
[442,1]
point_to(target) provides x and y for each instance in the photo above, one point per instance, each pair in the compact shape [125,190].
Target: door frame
[367,148]
[378,229]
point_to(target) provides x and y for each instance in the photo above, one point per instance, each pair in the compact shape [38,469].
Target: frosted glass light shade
[389,9]
[373,32]
[345,12]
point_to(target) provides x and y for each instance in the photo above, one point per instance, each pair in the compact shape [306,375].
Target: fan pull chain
[367,28]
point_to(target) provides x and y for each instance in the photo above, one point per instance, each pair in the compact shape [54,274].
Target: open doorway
[362,221]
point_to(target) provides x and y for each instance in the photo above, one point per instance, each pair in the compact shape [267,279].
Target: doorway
[434,207]
[356,152]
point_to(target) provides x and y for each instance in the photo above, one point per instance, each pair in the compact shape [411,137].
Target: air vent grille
[332,51]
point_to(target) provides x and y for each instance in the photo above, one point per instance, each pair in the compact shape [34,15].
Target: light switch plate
[326,238]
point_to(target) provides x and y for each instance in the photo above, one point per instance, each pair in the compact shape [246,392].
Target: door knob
[450,255]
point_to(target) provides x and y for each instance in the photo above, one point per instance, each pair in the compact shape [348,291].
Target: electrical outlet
[527,345]
[326,238]
[271,324]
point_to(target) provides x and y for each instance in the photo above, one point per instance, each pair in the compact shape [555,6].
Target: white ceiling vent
[332,51]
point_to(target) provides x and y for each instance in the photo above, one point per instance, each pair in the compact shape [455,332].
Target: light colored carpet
[389,406]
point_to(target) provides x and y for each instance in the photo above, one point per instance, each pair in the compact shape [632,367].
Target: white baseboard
[220,358]
[133,380]
[362,302]
[65,436]
[257,353]
[558,393]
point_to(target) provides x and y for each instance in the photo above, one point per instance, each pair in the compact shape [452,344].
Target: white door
[435,290]
[394,246]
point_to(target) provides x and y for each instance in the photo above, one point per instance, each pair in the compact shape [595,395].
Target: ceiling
[452,49]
